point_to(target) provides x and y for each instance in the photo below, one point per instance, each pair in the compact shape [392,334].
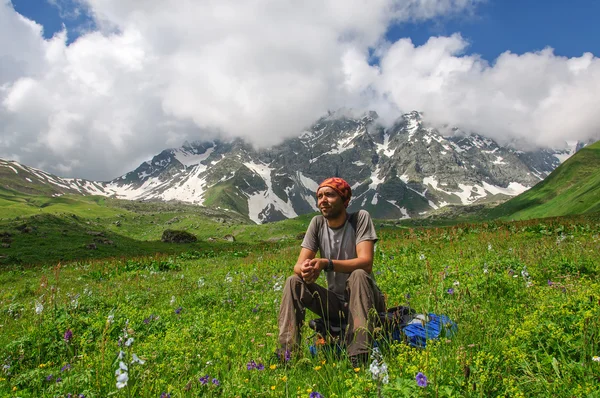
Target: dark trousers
[363,301]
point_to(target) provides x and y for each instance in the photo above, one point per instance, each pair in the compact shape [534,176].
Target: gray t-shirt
[339,243]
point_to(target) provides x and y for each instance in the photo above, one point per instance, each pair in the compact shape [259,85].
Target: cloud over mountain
[151,77]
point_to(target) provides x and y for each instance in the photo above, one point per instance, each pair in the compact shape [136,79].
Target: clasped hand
[310,270]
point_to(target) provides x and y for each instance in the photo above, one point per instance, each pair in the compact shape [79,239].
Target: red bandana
[340,186]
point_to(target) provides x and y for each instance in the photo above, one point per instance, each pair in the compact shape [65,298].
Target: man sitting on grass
[345,242]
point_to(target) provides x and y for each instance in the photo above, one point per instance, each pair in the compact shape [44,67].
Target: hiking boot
[359,360]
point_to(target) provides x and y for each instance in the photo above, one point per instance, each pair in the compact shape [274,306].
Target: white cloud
[156,75]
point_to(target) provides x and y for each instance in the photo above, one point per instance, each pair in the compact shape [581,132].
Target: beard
[332,212]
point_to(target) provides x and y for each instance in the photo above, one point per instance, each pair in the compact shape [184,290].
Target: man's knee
[293,280]
[358,276]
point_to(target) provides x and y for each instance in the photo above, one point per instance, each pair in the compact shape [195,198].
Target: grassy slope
[52,229]
[570,189]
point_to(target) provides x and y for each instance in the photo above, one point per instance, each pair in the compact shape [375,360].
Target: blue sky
[519,26]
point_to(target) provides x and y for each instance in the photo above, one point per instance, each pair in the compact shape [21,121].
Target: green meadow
[137,317]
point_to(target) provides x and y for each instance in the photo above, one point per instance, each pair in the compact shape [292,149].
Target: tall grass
[525,297]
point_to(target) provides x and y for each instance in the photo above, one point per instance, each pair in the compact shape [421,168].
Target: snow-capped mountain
[403,171]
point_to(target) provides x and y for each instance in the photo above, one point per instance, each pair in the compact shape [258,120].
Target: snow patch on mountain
[190,159]
[266,199]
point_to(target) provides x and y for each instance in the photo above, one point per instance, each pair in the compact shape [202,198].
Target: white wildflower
[456,283]
[129,342]
[422,257]
[122,378]
[200,282]
[228,278]
[489,247]
[596,358]
[172,300]
[110,318]
[136,359]
[277,286]
[39,307]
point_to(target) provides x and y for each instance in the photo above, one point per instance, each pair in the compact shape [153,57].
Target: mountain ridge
[403,171]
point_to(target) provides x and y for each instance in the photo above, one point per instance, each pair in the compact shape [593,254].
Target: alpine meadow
[94,304]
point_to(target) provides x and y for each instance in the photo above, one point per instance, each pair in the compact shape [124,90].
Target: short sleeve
[311,238]
[365,230]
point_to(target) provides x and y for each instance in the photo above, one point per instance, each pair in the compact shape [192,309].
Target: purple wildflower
[550,283]
[203,380]
[288,355]
[81,396]
[260,366]
[66,367]
[49,377]
[251,365]
[68,335]
[421,379]
[313,350]
[216,382]
[315,394]
[450,291]
[178,310]
[165,395]
[255,309]
[58,379]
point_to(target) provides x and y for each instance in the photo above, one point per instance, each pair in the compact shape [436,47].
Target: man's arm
[363,260]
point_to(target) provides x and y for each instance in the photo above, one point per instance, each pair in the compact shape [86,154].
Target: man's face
[330,203]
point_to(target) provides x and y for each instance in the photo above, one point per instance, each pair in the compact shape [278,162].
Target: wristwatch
[329,265]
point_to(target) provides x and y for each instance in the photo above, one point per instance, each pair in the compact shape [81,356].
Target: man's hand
[310,270]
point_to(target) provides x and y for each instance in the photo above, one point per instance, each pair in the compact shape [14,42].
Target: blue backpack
[425,327]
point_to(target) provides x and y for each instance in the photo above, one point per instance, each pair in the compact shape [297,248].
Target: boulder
[174,236]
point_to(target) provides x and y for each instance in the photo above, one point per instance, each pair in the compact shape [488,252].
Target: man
[345,242]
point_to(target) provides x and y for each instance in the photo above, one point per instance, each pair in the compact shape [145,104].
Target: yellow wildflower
[273,367]
[318,367]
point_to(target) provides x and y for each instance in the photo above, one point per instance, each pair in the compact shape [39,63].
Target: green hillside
[573,188]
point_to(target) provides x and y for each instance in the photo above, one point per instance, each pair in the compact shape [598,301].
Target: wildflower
[203,380]
[122,378]
[277,286]
[110,318]
[255,309]
[129,342]
[356,370]
[315,394]
[58,379]
[318,367]
[313,350]
[165,395]
[228,278]
[49,377]
[216,382]
[287,356]
[178,310]
[450,291]
[550,283]
[260,366]
[39,307]
[136,359]
[68,335]
[172,300]
[200,283]
[65,368]
[596,358]
[489,247]
[421,379]
[422,257]
[273,367]
[456,283]
[251,365]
